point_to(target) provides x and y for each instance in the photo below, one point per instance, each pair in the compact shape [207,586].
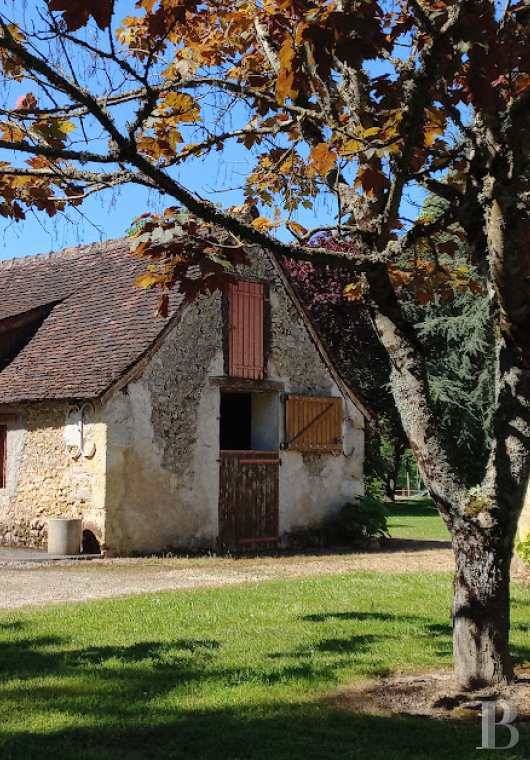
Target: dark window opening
[249,422]
[3,455]
[236,422]
[90,544]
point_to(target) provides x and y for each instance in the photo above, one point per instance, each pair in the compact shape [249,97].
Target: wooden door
[248,500]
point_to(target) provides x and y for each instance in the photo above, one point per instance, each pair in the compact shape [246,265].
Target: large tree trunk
[481,608]
[482,520]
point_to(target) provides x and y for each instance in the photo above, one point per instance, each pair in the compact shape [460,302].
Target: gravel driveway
[24,582]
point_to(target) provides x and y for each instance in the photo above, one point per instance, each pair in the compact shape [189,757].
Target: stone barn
[225,426]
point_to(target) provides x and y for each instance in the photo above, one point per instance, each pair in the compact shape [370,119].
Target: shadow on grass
[46,655]
[300,731]
[345,648]
[162,700]
[412,544]
[413,507]
[354,615]
[15,625]
[440,634]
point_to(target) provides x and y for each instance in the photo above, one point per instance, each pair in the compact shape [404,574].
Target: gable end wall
[163,433]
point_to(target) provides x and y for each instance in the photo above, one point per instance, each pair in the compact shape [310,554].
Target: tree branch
[66,154]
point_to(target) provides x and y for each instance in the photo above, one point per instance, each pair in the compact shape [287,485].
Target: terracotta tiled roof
[99,327]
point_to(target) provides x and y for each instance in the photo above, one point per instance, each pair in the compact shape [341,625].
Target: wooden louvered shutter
[314,423]
[245,342]
[3,455]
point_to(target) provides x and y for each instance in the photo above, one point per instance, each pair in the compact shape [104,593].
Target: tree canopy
[362,102]
[358,106]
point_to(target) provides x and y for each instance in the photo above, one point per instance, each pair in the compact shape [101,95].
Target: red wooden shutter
[314,423]
[3,455]
[245,343]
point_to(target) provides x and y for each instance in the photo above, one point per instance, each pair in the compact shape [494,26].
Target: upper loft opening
[17,331]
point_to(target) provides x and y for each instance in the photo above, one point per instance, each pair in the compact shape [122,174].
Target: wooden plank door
[248,500]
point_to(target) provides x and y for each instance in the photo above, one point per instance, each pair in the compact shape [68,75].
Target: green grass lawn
[232,673]
[416,518]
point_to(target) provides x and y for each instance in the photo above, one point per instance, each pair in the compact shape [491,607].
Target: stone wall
[152,483]
[163,434]
[42,478]
[311,485]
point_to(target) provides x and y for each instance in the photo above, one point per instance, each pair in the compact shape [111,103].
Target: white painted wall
[313,486]
[150,507]
[163,435]
[265,421]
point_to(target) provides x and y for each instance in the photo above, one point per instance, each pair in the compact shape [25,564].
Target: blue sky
[109,214]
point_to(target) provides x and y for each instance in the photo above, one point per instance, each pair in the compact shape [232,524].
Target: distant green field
[416,518]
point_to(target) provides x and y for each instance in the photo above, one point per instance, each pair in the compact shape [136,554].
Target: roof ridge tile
[104,246]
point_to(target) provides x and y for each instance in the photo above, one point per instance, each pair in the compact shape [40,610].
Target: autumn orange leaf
[351,147]
[322,158]
[353,291]
[146,280]
[297,229]
[522,82]
[372,180]
[263,223]
[181,107]
[434,126]
[285,82]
